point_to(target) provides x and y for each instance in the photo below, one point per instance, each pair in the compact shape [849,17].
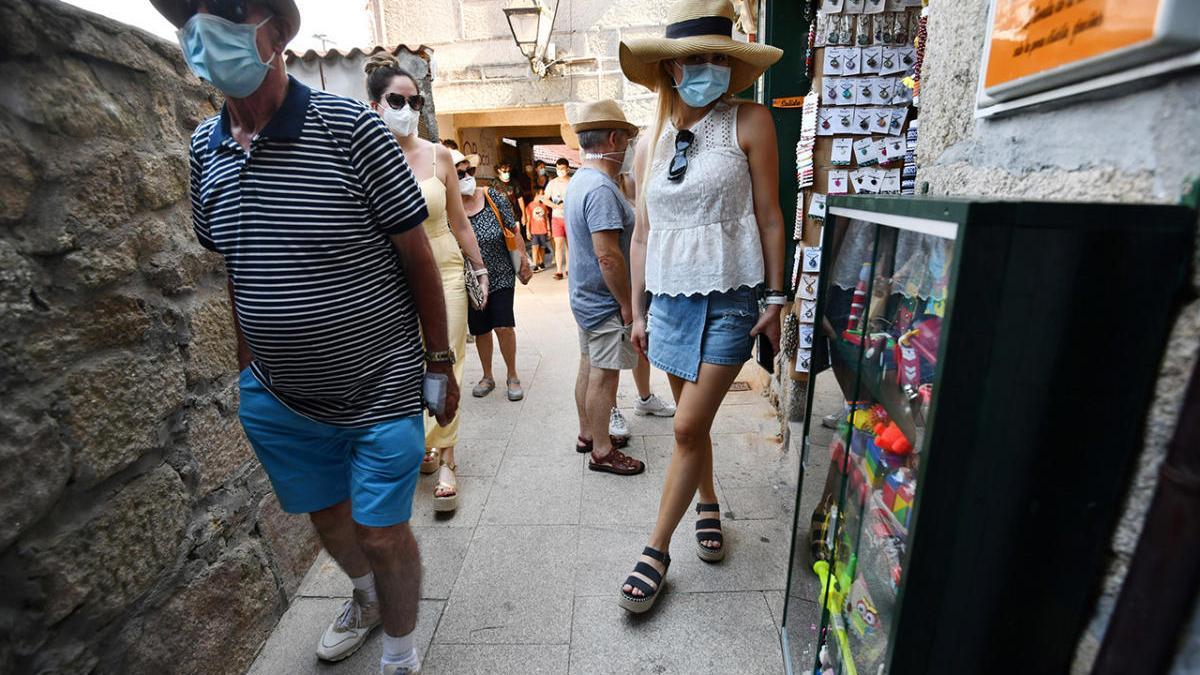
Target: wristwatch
[440,357]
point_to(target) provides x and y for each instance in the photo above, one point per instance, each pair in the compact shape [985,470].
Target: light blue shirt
[594,203]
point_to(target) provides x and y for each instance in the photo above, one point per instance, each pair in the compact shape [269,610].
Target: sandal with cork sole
[430,463]
[645,574]
[709,529]
[448,502]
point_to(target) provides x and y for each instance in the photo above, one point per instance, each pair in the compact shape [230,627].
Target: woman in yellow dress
[395,96]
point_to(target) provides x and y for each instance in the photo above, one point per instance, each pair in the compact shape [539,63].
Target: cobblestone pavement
[524,577]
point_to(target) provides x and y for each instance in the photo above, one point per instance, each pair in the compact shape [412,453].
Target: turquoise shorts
[313,465]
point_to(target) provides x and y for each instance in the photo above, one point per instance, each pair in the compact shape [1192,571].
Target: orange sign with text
[1034,36]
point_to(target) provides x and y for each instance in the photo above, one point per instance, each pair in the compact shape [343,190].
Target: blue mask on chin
[703,83]
[224,53]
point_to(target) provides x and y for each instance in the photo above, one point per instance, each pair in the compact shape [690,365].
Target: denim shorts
[685,331]
[313,465]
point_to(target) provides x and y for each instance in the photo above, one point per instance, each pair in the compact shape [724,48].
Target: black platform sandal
[636,604]
[709,529]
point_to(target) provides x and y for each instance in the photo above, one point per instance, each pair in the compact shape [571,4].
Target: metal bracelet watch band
[446,356]
[775,300]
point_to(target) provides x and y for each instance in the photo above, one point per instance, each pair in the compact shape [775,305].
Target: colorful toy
[890,438]
[860,608]
[878,462]
[899,488]
[879,415]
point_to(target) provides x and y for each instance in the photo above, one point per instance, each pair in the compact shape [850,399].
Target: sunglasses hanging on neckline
[679,163]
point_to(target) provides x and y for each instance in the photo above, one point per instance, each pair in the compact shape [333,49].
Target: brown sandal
[583,447]
[616,462]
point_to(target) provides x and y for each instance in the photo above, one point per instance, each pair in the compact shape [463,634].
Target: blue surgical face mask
[703,83]
[224,53]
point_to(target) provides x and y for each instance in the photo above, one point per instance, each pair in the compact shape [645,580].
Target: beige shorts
[608,345]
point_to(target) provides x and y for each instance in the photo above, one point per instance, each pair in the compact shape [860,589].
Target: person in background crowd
[537,222]
[332,282]
[450,143]
[556,191]
[394,95]
[507,185]
[491,214]
[709,234]
[528,183]
[600,224]
[541,179]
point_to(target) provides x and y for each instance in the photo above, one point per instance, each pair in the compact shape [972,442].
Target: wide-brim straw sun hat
[697,27]
[604,114]
[179,11]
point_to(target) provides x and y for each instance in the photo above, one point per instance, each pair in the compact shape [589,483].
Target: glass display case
[956,517]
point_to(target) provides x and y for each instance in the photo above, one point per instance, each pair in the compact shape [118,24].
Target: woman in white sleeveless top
[709,241]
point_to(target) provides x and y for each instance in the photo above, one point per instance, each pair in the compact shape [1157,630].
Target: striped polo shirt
[302,220]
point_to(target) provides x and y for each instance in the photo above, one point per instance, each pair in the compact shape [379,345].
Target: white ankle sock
[366,584]
[399,649]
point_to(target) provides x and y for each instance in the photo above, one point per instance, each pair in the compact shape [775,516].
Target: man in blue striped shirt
[308,198]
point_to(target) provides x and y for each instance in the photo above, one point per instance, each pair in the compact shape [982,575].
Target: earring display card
[866,91]
[808,286]
[840,154]
[894,6]
[816,209]
[890,181]
[899,30]
[831,6]
[839,182]
[885,90]
[901,94]
[853,6]
[864,152]
[873,6]
[821,31]
[890,150]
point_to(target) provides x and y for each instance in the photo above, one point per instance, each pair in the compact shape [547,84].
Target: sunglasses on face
[230,10]
[463,173]
[397,101]
[679,163]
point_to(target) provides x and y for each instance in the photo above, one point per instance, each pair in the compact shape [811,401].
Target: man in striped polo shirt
[309,199]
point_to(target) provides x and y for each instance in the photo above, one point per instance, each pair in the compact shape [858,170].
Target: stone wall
[478,66]
[137,532]
[1139,146]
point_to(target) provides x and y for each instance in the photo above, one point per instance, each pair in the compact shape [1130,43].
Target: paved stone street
[524,577]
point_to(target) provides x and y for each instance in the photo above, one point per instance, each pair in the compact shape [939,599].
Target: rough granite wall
[137,533]
[1138,146]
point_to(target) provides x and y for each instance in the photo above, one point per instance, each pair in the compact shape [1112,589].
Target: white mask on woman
[466,186]
[402,122]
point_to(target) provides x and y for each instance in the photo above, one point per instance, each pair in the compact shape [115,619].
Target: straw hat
[604,114]
[697,27]
[179,11]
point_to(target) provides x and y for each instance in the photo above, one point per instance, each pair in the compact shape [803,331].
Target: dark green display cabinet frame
[1055,324]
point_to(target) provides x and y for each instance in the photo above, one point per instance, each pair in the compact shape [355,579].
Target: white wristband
[482,272]
[775,300]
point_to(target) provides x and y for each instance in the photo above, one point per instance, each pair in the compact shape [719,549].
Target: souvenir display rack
[993,406]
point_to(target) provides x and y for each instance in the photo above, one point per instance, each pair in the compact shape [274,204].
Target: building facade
[485,89]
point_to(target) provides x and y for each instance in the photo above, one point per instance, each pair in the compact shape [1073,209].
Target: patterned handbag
[474,289]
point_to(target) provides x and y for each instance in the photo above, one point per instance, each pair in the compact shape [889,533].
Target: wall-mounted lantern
[531,27]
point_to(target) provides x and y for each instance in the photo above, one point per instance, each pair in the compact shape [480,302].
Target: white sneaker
[654,406]
[350,629]
[617,426]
